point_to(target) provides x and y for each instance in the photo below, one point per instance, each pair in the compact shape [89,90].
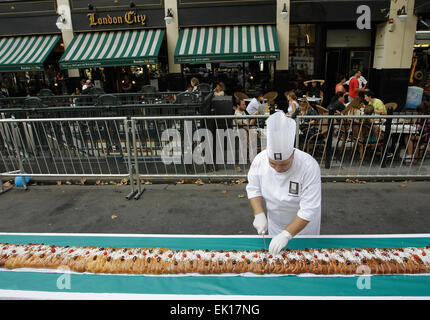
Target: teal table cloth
[60,284]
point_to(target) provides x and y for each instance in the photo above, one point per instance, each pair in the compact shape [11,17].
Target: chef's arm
[297,225]
[257,205]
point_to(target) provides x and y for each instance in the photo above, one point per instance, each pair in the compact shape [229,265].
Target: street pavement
[211,209]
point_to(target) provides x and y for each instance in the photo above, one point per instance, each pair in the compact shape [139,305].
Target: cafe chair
[33,102]
[392,105]
[45,93]
[107,100]
[95,91]
[271,97]
[361,135]
[317,141]
[148,89]
[204,88]
[240,96]
[321,110]
[419,146]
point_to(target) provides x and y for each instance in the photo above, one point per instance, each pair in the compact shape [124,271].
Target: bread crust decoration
[408,260]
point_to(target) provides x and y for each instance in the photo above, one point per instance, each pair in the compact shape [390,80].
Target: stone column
[394,46]
[282,65]
[63,7]
[175,81]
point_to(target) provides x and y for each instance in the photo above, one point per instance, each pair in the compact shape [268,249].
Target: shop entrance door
[333,68]
[344,61]
[360,60]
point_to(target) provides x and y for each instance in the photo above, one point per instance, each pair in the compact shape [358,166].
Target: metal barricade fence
[375,146]
[208,147]
[196,146]
[96,148]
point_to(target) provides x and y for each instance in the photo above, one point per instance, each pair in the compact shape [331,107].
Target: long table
[53,284]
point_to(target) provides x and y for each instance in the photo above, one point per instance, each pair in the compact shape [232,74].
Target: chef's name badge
[294,189]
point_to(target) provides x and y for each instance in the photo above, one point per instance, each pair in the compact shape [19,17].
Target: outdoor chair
[317,141]
[392,105]
[47,97]
[240,95]
[148,89]
[45,93]
[33,102]
[362,133]
[186,97]
[321,110]
[271,97]
[95,91]
[419,146]
[204,88]
[107,100]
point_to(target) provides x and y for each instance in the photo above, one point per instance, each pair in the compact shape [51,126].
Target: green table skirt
[237,285]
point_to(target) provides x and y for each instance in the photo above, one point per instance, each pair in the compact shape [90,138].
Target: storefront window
[301,54]
[248,77]
[110,79]
[302,35]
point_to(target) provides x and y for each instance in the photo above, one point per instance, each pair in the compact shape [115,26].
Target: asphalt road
[212,209]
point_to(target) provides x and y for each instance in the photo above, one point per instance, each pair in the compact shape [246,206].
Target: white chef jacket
[296,192]
[253,106]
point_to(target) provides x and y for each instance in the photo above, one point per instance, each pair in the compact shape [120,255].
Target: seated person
[340,88]
[194,82]
[376,103]
[307,126]
[336,103]
[354,107]
[219,89]
[423,131]
[315,89]
[370,126]
[254,104]
[293,105]
[241,111]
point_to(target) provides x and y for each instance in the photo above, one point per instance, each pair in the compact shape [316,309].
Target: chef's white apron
[282,193]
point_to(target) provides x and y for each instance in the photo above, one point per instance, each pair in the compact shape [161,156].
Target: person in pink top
[340,87]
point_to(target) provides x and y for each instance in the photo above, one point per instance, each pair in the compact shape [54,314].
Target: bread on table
[165,261]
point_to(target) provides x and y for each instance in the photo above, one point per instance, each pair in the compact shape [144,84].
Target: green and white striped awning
[115,48]
[25,53]
[228,44]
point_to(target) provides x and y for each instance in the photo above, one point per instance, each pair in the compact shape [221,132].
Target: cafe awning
[25,53]
[111,49]
[227,44]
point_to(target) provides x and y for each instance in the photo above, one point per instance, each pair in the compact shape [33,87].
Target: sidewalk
[371,208]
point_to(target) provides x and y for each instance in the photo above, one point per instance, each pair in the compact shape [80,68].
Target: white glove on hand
[260,223]
[279,242]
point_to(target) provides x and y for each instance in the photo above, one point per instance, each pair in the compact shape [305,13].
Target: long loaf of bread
[165,261]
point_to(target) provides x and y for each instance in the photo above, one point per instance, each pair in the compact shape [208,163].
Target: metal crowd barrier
[104,105]
[208,147]
[63,149]
[89,99]
[102,111]
[387,147]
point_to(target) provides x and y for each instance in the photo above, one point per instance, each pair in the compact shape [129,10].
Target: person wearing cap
[289,181]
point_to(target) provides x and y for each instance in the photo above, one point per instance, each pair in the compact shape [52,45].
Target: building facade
[250,46]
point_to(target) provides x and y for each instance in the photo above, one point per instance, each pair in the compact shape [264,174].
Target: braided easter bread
[165,261]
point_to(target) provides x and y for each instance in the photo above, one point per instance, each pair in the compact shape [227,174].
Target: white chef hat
[281,133]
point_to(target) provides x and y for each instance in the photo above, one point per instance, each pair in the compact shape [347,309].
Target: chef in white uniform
[289,180]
